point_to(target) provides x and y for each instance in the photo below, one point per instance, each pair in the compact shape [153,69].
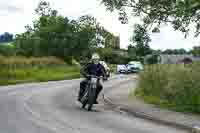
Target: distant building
[174,59]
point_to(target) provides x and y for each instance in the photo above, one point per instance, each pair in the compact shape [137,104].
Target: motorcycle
[88,97]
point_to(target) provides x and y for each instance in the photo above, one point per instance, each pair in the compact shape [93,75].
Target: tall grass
[174,86]
[21,69]
[24,61]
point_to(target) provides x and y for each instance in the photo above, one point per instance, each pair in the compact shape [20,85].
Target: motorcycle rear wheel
[91,98]
[90,107]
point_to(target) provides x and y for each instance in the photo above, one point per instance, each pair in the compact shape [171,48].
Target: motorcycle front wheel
[91,98]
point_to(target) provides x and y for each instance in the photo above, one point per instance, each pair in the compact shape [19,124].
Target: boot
[99,89]
[80,94]
[96,102]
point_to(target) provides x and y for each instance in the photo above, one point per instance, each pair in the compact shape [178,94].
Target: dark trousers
[83,85]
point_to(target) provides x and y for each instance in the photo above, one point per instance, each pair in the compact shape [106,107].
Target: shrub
[7,50]
[152,59]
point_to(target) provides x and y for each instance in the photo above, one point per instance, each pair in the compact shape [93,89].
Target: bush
[152,59]
[112,56]
[173,86]
[7,50]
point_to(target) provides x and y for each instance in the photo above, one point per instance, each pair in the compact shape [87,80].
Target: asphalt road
[52,108]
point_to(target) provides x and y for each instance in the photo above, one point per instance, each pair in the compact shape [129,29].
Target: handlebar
[93,76]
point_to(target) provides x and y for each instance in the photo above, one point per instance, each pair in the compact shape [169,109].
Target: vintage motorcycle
[88,97]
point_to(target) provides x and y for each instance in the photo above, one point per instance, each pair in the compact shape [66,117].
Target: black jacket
[93,69]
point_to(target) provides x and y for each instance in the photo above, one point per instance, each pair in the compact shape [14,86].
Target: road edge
[131,111]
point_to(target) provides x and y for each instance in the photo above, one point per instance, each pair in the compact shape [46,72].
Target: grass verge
[37,74]
[175,87]
[16,69]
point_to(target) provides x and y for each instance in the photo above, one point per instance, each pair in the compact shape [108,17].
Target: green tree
[106,54]
[180,51]
[113,56]
[196,51]
[55,35]
[49,35]
[168,51]
[86,37]
[141,40]
[181,14]
[175,51]
[107,36]
[152,59]
[132,52]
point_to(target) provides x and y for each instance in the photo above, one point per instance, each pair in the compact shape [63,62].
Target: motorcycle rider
[93,68]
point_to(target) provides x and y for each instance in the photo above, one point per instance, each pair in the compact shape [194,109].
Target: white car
[134,67]
[121,69]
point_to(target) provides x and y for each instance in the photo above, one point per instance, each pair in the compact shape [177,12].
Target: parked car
[134,67]
[121,69]
[106,68]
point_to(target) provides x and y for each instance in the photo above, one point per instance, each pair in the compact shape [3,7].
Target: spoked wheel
[91,98]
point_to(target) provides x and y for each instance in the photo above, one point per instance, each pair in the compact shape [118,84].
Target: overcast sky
[15,14]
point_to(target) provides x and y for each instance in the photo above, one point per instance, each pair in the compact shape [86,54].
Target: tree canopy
[6,37]
[181,14]
[55,35]
[175,51]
